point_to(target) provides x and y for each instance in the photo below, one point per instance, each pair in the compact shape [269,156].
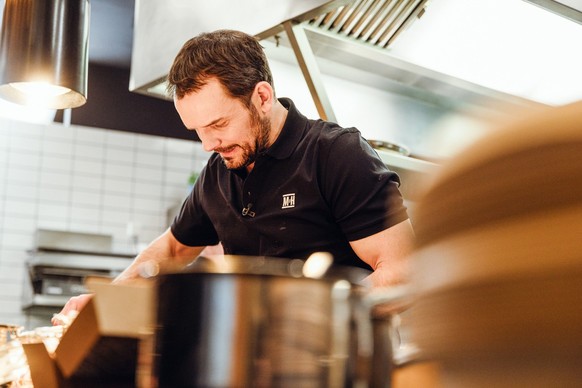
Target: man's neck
[277,121]
[278,117]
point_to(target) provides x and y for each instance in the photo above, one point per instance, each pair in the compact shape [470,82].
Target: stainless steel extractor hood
[161,27]
[347,31]
[570,9]
[360,34]
[355,33]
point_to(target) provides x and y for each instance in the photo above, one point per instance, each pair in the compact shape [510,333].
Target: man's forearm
[164,253]
[134,270]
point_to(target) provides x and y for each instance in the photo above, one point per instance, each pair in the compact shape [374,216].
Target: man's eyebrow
[212,122]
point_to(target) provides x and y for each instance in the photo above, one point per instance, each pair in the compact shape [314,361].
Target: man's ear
[266,95]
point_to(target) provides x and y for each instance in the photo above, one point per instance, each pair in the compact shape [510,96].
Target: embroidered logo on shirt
[288,201]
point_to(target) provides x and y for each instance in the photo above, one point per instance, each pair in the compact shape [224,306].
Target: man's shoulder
[328,137]
[327,131]
[317,129]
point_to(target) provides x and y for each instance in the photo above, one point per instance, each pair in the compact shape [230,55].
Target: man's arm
[164,250]
[387,253]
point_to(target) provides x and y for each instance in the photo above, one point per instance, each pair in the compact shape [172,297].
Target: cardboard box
[101,346]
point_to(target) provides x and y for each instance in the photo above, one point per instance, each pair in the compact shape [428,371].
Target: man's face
[225,125]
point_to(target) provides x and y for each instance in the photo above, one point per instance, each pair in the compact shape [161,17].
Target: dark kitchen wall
[111,105]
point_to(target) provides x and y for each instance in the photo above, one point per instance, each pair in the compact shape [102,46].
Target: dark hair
[236,59]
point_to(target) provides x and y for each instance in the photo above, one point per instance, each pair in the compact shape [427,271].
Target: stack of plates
[498,265]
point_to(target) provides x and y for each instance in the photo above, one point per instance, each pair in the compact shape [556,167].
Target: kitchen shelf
[80,261]
[414,173]
[46,301]
[396,160]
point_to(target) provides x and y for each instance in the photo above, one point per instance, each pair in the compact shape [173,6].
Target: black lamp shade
[45,41]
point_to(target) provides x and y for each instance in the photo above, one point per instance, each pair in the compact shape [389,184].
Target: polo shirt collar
[292,131]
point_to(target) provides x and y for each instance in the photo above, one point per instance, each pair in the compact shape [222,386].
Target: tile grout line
[4,192]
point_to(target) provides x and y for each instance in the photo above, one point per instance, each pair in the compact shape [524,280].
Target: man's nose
[209,142]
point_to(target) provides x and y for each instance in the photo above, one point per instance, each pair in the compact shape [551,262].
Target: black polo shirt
[316,188]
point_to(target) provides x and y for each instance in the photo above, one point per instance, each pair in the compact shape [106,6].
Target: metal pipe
[308,64]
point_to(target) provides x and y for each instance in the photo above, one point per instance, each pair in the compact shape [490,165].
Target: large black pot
[262,322]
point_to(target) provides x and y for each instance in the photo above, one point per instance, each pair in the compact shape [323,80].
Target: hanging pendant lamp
[44,53]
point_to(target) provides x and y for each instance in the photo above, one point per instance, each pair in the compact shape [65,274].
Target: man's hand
[71,309]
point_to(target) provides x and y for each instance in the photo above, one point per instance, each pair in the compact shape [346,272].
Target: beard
[260,129]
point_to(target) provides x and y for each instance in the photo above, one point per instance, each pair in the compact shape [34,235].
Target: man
[277,184]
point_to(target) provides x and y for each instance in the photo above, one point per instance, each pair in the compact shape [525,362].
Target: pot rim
[267,266]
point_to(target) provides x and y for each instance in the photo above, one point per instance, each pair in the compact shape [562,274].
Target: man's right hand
[71,309]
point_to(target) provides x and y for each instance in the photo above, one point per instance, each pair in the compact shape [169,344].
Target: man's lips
[225,151]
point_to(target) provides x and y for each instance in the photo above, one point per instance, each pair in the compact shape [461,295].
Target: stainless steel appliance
[59,263]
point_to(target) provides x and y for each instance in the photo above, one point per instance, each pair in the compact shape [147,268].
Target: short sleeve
[362,192]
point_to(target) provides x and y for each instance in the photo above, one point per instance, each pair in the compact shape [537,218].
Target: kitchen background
[96,180]
[120,165]
[83,179]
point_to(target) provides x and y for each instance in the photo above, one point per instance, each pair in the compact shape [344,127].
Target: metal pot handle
[378,336]
[396,298]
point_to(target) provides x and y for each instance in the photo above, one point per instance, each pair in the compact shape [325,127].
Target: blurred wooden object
[498,261]
[417,375]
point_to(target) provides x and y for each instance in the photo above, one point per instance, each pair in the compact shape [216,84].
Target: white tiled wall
[83,179]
